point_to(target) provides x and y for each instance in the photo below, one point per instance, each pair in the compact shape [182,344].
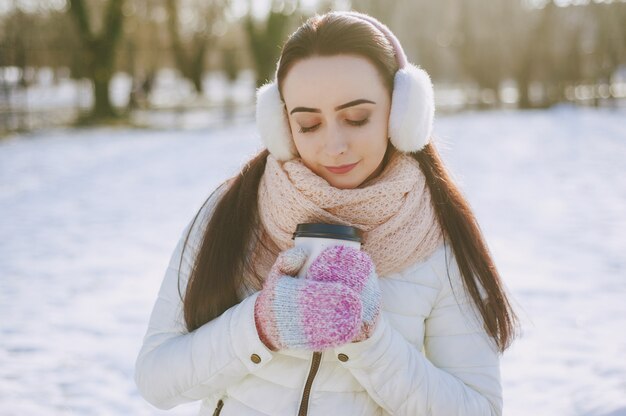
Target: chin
[345,183]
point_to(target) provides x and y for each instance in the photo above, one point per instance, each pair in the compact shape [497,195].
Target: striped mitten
[355,269]
[304,314]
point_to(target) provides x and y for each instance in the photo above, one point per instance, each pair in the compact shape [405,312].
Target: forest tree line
[543,47]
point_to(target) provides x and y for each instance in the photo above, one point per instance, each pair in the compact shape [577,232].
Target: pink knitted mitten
[304,314]
[355,269]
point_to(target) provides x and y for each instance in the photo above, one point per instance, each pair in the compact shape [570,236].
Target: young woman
[413,324]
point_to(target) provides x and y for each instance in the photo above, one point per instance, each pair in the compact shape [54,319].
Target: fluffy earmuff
[271,120]
[412,109]
[410,119]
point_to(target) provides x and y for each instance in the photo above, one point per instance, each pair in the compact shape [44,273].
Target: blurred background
[191,62]
[119,117]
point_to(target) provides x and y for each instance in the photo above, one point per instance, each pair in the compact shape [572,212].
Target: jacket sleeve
[175,366]
[457,374]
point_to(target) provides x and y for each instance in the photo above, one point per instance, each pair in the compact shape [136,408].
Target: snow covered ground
[88,219]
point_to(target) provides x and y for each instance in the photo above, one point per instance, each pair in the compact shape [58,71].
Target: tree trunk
[191,65]
[100,53]
[197,64]
[264,43]
[102,104]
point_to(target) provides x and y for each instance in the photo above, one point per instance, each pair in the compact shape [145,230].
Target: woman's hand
[355,269]
[305,313]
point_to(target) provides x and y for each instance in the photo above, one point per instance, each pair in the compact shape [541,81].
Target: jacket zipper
[218,409]
[315,365]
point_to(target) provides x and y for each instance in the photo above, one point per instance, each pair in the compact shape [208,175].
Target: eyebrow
[340,107]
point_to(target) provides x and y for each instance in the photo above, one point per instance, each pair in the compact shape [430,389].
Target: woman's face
[338,111]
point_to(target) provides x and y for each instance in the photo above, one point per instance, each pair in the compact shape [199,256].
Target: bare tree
[191,61]
[481,28]
[265,38]
[99,51]
[141,53]
[609,42]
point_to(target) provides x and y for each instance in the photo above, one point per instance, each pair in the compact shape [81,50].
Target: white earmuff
[412,109]
[272,123]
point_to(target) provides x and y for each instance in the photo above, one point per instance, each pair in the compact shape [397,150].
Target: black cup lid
[321,230]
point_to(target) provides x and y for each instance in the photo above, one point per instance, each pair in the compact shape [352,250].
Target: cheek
[305,146]
[303,141]
[381,123]
[375,134]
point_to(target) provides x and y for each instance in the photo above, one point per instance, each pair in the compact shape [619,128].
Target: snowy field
[88,219]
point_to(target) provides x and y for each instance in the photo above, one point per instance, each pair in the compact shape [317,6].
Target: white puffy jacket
[429,354]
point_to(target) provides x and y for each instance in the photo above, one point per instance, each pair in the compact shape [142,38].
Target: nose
[336,143]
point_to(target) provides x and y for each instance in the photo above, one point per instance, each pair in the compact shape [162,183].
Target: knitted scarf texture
[393,210]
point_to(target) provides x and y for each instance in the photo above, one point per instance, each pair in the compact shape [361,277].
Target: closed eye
[358,122]
[307,129]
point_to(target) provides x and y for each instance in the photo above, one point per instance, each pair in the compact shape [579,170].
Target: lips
[342,168]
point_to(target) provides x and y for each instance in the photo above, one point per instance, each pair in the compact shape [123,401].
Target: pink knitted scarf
[393,210]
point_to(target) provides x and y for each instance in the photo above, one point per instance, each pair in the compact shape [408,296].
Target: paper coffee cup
[315,237]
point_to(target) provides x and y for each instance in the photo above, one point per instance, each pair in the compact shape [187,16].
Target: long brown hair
[223,256]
